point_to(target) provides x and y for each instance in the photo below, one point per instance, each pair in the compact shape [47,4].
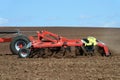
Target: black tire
[16,42]
[24,53]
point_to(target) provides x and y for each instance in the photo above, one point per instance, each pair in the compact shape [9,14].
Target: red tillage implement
[52,43]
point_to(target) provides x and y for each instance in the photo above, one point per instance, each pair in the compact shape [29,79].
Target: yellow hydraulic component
[92,41]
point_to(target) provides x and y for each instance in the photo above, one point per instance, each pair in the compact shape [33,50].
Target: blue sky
[104,13]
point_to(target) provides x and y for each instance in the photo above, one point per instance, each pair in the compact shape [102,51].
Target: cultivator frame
[47,39]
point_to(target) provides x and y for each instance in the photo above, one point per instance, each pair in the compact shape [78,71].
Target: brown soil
[80,68]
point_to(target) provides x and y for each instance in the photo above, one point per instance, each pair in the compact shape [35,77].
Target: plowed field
[66,68]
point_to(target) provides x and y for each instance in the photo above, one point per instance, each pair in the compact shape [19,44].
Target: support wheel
[24,53]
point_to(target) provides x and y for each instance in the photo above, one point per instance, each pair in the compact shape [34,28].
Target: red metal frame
[45,40]
[5,40]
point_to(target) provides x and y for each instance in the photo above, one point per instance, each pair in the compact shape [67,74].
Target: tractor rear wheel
[17,43]
[24,53]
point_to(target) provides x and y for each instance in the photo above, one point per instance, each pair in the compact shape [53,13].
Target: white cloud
[3,21]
